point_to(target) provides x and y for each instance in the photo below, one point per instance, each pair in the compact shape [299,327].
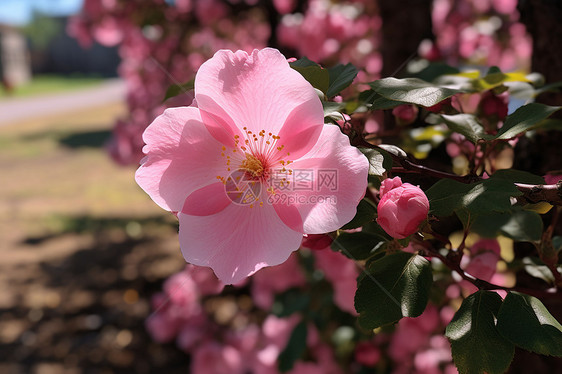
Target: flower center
[255,161]
[252,166]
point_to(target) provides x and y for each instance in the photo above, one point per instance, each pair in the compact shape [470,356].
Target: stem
[532,193]
[482,284]
[547,252]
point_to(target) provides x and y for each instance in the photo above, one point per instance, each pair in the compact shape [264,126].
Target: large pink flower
[250,167]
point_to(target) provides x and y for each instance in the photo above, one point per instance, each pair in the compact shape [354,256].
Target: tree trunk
[404,25]
[543,152]
[542,18]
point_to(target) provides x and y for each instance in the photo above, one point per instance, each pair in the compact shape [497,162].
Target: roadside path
[14,110]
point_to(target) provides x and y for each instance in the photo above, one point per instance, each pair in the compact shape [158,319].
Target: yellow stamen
[253,166]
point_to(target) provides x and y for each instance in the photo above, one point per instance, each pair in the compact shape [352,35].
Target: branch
[551,193]
[532,193]
[480,283]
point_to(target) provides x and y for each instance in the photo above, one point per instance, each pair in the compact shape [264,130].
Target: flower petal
[205,201]
[257,90]
[290,216]
[339,180]
[302,129]
[218,123]
[238,241]
[181,157]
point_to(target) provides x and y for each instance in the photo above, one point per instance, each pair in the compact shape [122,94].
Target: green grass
[46,84]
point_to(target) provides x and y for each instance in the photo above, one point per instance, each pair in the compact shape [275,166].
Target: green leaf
[412,90]
[366,212]
[357,245]
[303,62]
[176,89]
[374,101]
[549,124]
[476,344]
[525,321]
[524,119]
[536,268]
[465,124]
[491,195]
[332,110]
[552,87]
[295,348]
[434,70]
[290,302]
[377,160]
[524,226]
[341,76]
[317,76]
[393,287]
[495,78]
[518,176]
[378,102]
[517,224]
[393,149]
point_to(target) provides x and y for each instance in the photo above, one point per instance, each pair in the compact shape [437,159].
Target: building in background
[15,66]
[54,52]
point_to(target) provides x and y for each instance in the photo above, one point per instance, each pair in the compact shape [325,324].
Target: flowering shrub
[163,43]
[375,263]
[262,156]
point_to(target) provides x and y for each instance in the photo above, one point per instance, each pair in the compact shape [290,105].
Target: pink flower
[367,354]
[213,357]
[207,282]
[226,165]
[317,241]
[342,273]
[284,6]
[276,279]
[161,327]
[402,208]
[405,114]
[486,245]
[494,105]
[552,179]
[193,330]
[483,265]
[307,368]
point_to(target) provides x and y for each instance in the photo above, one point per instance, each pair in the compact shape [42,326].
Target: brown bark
[404,25]
[542,18]
[543,152]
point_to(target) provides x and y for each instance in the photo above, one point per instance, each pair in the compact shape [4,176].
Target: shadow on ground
[91,139]
[85,312]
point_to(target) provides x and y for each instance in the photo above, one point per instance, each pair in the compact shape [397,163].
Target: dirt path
[20,109]
[82,249]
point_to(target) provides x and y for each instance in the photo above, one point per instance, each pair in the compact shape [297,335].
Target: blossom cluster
[479,32]
[229,332]
[233,329]
[162,43]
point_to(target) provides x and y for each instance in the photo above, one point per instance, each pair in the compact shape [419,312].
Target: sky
[19,12]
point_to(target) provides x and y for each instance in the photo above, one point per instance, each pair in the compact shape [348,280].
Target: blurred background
[82,248]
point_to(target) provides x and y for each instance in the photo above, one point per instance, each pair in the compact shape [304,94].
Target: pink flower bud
[405,114]
[402,208]
[367,354]
[552,179]
[494,105]
[439,106]
[317,241]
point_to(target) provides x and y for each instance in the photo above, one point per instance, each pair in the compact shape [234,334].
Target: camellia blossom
[250,166]
[402,208]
